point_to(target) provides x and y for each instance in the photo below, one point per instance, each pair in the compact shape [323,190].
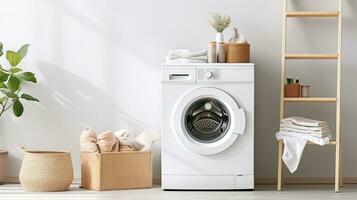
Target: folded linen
[88,141]
[304,121]
[185,60]
[300,127]
[107,142]
[184,53]
[316,140]
[319,134]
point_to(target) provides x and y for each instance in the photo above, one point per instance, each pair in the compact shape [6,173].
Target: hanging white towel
[293,148]
[294,144]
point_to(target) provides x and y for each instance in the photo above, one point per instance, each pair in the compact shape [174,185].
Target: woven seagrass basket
[46,171]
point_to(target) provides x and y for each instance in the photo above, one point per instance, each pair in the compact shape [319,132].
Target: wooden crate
[116,170]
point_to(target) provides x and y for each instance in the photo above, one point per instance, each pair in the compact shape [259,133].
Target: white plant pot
[220,51]
[219,38]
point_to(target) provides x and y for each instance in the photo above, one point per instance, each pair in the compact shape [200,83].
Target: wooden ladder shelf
[336,100]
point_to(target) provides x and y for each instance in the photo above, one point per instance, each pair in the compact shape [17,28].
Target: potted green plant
[11,94]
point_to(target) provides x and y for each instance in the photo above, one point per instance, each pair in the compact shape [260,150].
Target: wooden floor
[325,192]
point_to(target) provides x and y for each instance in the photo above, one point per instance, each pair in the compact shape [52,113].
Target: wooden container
[46,171]
[292,90]
[116,170]
[3,165]
[238,53]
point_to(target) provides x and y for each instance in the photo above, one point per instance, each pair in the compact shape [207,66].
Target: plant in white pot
[219,23]
[11,94]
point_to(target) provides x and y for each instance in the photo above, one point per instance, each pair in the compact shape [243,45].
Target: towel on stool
[107,142]
[88,141]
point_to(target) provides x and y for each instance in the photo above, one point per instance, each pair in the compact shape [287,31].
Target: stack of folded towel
[185,56]
[295,132]
[121,140]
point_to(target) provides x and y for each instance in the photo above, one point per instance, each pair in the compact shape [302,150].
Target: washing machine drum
[207,120]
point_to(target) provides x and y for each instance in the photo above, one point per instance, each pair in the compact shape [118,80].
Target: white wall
[98,65]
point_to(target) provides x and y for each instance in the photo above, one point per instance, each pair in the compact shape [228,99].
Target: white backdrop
[98,65]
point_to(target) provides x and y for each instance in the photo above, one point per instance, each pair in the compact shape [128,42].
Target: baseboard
[304,181]
[258,181]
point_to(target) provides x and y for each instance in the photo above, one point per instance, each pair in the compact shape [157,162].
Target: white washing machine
[207,126]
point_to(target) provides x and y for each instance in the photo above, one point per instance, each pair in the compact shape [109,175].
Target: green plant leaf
[27,76]
[2,100]
[17,108]
[15,70]
[23,50]
[3,76]
[13,57]
[9,93]
[13,83]
[1,48]
[3,85]
[29,97]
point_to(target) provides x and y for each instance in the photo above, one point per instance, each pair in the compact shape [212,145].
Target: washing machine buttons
[208,74]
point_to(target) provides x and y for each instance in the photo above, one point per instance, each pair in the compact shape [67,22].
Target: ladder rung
[311,56]
[312,99]
[330,143]
[312,14]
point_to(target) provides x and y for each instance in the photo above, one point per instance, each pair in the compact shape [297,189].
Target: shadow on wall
[79,99]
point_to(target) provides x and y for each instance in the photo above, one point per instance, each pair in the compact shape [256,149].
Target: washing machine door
[208,120]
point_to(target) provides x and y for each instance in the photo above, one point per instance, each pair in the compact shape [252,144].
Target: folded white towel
[319,132]
[294,144]
[184,53]
[304,121]
[185,60]
[308,128]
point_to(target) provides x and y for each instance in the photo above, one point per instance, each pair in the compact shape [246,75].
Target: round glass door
[207,120]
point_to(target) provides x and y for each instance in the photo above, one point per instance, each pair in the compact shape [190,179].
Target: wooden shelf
[311,56]
[312,99]
[312,14]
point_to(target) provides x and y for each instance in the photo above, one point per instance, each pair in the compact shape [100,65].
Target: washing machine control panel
[208,74]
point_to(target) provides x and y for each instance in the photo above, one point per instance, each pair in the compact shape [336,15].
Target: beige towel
[88,141]
[107,142]
[125,148]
